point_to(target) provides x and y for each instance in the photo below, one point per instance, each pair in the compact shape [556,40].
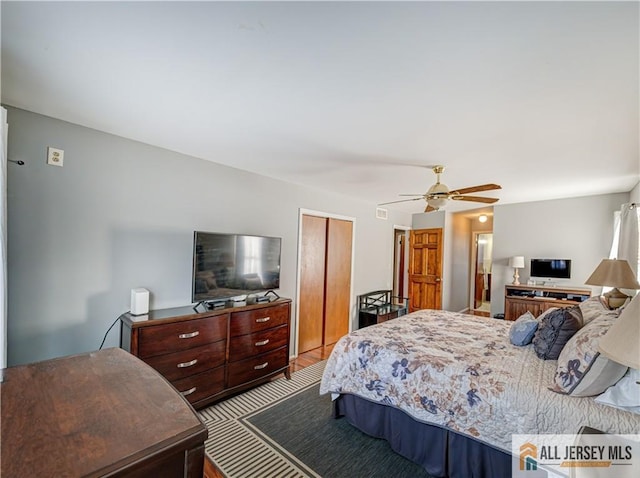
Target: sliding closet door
[312,274]
[338,280]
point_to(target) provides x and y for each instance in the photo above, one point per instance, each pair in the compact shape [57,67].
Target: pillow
[522,330]
[555,330]
[624,394]
[595,307]
[582,371]
[548,311]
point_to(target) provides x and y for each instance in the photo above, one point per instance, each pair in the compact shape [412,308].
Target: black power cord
[109,330]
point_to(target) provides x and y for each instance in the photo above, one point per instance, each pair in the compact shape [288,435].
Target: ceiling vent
[381,213]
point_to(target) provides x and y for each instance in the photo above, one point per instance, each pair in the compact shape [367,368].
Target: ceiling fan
[438,194]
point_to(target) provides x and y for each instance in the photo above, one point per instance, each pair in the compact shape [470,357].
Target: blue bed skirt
[442,452]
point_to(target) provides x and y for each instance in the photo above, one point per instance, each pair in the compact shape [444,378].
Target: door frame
[472,266]
[394,272]
[328,215]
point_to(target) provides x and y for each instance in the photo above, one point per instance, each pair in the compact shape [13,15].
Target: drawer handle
[264,319]
[262,342]
[260,367]
[188,392]
[187,364]
[189,335]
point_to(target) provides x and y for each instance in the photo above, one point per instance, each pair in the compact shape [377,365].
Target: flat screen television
[551,268]
[232,265]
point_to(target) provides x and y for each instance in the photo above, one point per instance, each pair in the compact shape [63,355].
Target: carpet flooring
[285,429]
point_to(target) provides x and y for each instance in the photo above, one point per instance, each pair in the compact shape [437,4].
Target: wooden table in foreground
[104,413]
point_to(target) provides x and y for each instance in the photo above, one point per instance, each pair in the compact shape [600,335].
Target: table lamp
[621,343]
[517,262]
[614,273]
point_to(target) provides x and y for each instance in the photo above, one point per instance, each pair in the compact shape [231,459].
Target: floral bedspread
[461,372]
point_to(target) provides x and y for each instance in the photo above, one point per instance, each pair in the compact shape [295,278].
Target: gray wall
[121,214]
[580,229]
[459,263]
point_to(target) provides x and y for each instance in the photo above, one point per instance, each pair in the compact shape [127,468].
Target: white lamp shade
[517,262]
[622,342]
[614,273]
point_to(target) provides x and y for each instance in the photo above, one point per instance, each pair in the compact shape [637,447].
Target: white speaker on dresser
[139,301]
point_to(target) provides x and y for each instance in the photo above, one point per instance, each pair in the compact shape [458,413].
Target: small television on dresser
[231,265]
[551,268]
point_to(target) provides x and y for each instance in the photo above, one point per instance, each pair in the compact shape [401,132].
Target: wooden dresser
[210,354]
[519,299]
[103,413]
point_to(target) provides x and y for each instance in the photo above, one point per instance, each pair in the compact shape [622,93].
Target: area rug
[285,429]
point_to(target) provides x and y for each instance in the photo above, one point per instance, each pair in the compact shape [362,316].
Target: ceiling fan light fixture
[437,203]
[439,194]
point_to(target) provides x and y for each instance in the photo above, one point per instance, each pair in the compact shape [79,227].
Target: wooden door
[425,269]
[338,280]
[312,280]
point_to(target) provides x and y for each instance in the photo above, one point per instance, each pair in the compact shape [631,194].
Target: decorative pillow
[595,307]
[522,330]
[582,371]
[555,330]
[624,394]
[548,311]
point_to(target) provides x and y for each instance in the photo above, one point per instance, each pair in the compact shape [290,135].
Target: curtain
[629,240]
[613,254]
[3,241]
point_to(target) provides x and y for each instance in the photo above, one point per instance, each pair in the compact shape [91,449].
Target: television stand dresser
[519,299]
[214,353]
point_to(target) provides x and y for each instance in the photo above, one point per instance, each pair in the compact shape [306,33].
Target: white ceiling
[542,98]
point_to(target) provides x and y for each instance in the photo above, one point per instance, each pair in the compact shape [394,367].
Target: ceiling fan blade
[401,200]
[421,195]
[429,209]
[474,199]
[475,189]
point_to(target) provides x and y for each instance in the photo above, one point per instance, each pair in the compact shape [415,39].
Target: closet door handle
[189,335]
[262,342]
[264,319]
[188,364]
[261,366]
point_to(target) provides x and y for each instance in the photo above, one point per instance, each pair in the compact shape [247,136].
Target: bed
[448,390]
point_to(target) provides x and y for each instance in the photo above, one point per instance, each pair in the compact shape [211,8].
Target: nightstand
[379,306]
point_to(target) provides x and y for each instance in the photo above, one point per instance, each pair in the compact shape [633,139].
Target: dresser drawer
[259,319]
[256,367]
[160,339]
[257,343]
[202,385]
[189,362]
